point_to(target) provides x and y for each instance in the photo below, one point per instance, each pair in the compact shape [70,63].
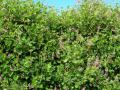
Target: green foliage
[77,49]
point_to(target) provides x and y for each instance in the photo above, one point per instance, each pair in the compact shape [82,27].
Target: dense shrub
[76,49]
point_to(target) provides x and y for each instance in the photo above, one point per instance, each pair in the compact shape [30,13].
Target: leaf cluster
[77,49]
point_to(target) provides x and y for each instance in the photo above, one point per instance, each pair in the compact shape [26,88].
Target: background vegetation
[76,49]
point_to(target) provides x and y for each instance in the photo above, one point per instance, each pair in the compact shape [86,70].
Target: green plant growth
[77,49]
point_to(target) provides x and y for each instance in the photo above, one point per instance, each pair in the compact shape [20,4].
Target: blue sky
[65,3]
[60,3]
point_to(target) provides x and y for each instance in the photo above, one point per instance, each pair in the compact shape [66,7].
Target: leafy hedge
[76,49]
